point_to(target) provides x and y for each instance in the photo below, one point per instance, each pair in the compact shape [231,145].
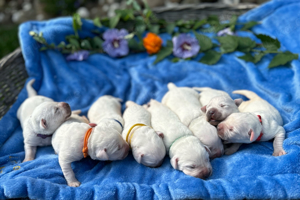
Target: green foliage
[211,57]
[204,41]
[269,43]
[245,44]
[282,59]
[228,43]
[164,52]
[249,25]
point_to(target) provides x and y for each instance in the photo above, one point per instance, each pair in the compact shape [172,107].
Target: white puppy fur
[208,135]
[246,127]
[104,143]
[184,102]
[208,93]
[219,108]
[186,152]
[146,144]
[40,116]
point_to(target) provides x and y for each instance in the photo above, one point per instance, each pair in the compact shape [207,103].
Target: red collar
[261,134]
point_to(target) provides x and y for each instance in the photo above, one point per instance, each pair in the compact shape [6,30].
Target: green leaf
[282,59]
[125,14]
[164,52]
[174,60]
[258,57]
[228,43]
[76,23]
[61,44]
[269,43]
[43,48]
[136,6]
[113,22]
[39,39]
[97,22]
[134,45]
[247,57]
[232,22]
[74,43]
[204,41]
[97,42]
[170,27]
[198,24]
[245,44]
[213,20]
[85,44]
[154,29]
[249,25]
[211,57]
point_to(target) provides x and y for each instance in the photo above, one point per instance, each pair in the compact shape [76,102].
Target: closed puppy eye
[222,105]
[56,109]
[231,129]
[191,167]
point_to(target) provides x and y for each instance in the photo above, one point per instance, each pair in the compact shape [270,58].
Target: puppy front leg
[232,149]
[68,173]
[30,152]
[278,142]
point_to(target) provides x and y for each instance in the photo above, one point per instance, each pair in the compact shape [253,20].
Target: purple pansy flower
[78,55]
[226,31]
[115,44]
[185,46]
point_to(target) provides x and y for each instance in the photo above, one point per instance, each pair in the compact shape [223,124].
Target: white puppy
[75,139]
[208,93]
[261,124]
[208,135]
[146,144]
[219,108]
[40,116]
[186,152]
[184,102]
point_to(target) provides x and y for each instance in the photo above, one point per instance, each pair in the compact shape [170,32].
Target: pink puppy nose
[205,173]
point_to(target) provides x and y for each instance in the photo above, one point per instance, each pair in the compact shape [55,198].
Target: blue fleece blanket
[252,172]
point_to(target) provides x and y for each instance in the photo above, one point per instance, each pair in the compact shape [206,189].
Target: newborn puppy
[186,152]
[75,139]
[40,116]
[208,135]
[184,102]
[261,124]
[107,107]
[219,108]
[146,144]
[208,93]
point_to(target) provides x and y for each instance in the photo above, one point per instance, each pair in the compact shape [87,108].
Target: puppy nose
[63,104]
[211,112]
[205,173]
[219,153]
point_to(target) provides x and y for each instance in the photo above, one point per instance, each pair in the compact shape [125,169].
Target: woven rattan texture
[12,78]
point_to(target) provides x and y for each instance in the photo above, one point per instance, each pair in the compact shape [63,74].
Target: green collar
[178,139]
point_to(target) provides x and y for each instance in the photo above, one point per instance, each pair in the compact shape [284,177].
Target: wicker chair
[12,67]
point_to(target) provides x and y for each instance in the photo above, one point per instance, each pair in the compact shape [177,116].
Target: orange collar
[85,149]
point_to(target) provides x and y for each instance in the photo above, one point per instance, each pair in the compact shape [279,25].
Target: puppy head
[240,128]
[208,135]
[48,116]
[219,108]
[106,143]
[190,156]
[148,147]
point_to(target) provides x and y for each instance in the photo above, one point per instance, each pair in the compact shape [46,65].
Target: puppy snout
[205,173]
[66,107]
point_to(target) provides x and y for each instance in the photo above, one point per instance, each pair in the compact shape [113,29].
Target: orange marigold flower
[152,43]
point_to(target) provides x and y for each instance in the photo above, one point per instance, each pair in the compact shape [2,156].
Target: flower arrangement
[126,34]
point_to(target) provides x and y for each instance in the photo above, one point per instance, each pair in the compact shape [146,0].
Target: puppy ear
[203,109]
[102,155]
[207,149]
[43,124]
[251,135]
[174,162]
[160,134]
[139,159]
[238,102]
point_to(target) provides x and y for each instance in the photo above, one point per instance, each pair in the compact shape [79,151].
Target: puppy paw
[229,151]
[74,184]
[280,152]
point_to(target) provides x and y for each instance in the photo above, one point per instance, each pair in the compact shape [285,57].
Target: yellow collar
[127,136]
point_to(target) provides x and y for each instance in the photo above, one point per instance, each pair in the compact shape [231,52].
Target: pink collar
[261,134]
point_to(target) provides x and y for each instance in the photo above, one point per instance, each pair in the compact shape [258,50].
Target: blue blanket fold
[252,172]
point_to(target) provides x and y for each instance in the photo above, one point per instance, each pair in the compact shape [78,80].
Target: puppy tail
[31,92]
[129,103]
[247,93]
[171,86]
